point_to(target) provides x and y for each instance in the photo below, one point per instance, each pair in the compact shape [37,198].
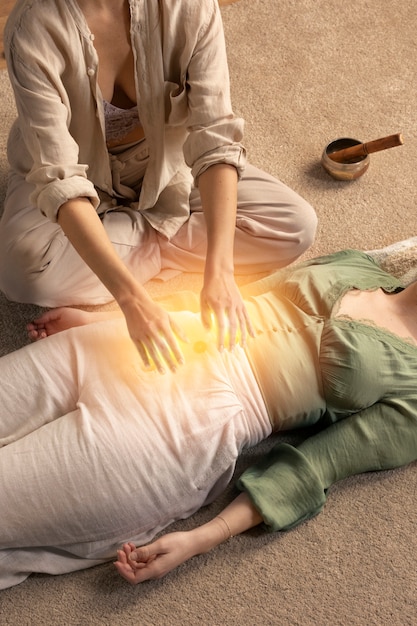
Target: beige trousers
[95,451]
[274,226]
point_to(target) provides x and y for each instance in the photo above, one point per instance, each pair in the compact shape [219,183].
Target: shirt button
[90,71]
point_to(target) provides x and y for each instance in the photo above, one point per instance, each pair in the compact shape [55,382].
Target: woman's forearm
[236,518]
[163,555]
[81,224]
[150,327]
[220,299]
[218,191]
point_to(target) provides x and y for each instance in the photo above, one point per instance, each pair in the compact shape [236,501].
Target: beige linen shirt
[182,86]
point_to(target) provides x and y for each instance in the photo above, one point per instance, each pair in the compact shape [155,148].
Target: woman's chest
[110,29]
[362,364]
[116,74]
[380,309]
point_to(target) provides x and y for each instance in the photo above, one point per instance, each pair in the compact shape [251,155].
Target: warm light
[199,339]
[238,337]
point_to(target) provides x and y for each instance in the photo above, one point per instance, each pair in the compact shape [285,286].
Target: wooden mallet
[353,153]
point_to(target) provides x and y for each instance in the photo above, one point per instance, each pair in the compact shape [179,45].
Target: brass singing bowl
[348,170]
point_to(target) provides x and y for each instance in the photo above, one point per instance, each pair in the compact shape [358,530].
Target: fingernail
[133,556]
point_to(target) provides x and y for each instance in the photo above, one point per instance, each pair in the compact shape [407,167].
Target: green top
[354,379]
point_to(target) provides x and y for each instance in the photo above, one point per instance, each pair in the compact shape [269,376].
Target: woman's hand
[220,299]
[150,327]
[222,304]
[163,555]
[154,333]
[156,559]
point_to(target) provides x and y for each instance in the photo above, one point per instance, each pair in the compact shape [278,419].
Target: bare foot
[56,320]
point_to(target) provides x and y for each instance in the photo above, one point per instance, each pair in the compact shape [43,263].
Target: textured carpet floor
[303,73]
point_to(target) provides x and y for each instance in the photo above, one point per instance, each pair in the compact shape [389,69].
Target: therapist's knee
[15,272]
[305,226]
[22,268]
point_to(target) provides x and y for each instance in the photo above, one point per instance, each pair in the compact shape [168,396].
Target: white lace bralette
[119,122]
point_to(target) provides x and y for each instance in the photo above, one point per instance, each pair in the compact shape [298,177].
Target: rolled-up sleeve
[289,485]
[215,133]
[45,150]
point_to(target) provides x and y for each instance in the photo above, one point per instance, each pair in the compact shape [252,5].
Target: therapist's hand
[154,333]
[222,305]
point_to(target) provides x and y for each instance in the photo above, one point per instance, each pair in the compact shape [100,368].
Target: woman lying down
[98,454]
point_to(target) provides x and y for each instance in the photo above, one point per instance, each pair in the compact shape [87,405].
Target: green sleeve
[289,484]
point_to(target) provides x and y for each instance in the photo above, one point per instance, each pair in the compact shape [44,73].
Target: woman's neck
[396,312]
[405,302]
[93,6]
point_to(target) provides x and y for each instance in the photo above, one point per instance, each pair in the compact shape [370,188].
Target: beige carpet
[303,73]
